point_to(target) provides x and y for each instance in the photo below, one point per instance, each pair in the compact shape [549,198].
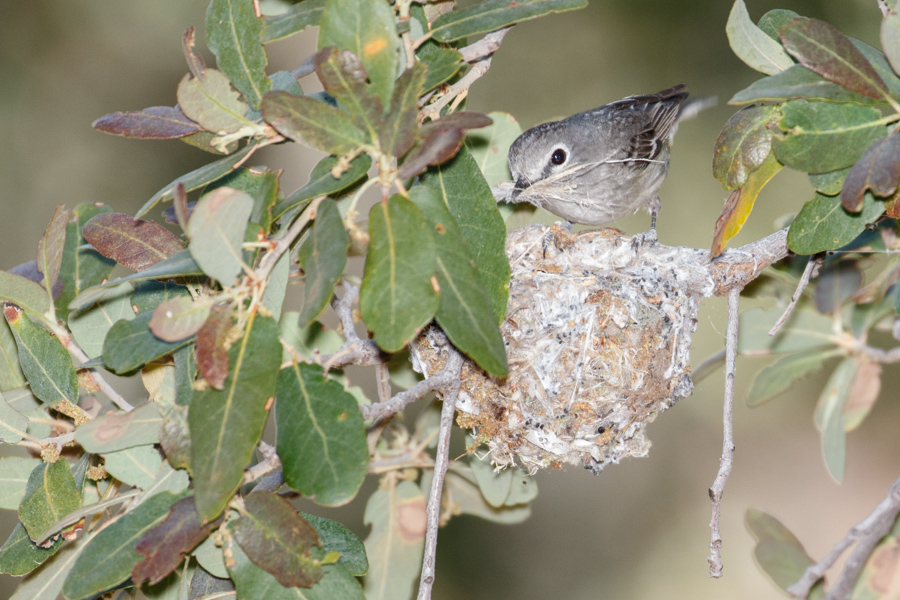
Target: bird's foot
[647,238]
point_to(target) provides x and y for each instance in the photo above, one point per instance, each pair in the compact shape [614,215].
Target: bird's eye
[558,157]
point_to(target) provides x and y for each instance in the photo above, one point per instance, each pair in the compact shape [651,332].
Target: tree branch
[354,351]
[812,268]
[727,459]
[867,532]
[445,377]
[441,460]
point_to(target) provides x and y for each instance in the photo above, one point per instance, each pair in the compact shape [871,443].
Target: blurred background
[638,530]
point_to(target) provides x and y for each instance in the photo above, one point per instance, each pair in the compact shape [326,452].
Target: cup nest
[598,336]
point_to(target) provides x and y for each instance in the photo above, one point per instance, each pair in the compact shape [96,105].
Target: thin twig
[80,356]
[284,241]
[447,375]
[811,267]
[479,68]
[485,46]
[270,463]
[878,355]
[383,377]
[727,459]
[870,528]
[59,441]
[355,351]
[441,460]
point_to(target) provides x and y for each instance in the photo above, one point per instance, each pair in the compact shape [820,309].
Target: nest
[598,337]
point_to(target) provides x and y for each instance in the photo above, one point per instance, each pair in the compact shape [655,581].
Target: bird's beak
[520,187]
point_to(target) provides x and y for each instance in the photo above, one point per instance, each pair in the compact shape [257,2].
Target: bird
[600,165]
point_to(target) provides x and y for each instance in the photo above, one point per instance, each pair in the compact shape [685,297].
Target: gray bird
[599,165]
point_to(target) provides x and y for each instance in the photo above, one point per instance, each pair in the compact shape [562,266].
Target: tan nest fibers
[598,337]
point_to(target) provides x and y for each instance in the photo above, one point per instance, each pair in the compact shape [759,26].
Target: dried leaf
[135,243]
[744,144]
[878,170]
[153,123]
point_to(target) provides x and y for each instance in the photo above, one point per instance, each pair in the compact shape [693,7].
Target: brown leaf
[892,206]
[194,61]
[154,123]
[820,47]
[878,170]
[278,540]
[461,120]
[440,144]
[180,206]
[135,243]
[863,394]
[212,356]
[165,545]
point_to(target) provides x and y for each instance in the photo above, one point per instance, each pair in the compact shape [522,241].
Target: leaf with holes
[366,28]
[232,34]
[226,425]
[135,243]
[820,47]
[323,256]
[752,45]
[110,556]
[46,364]
[217,230]
[823,224]
[278,540]
[397,298]
[154,123]
[50,495]
[321,438]
[818,137]
[878,170]
[495,14]
[313,123]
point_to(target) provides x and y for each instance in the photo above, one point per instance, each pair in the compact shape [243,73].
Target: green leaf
[198,177]
[212,102]
[778,551]
[24,293]
[805,329]
[773,20]
[50,248]
[13,426]
[489,146]
[323,255]
[321,437]
[830,416]
[465,192]
[344,78]
[313,123]
[233,35]
[829,183]
[109,433]
[396,542]
[752,45]
[178,319]
[365,28]
[778,377]
[210,558]
[137,466]
[823,136]
[823,224]
[46,364]
[20,555]
[278,540]
[820,47]
[135,243]
[276,285]
[227,424]
[252,582]
[177,265]
[323,183]
[463,491]
[880,63]
[294,20]
[150,294]
[396,297]
[744,144]
[50,495]
[14,472]
[441,63]
[836,283]
[399,127]
[131,344]
[465,312]
[261,186]
[890,38]
[494,14]
[337,538]
[494,485]
[216,230]
[211,352]
[46,583]
[90,325]
[798,82]
[110,556]
[11,376]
